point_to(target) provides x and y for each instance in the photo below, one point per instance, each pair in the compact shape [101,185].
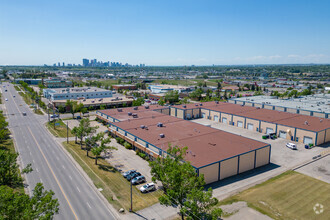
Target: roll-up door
[308,140]
[216,118]
[250,126]
[240,124]
[269,130]
[224,120]
[282,134]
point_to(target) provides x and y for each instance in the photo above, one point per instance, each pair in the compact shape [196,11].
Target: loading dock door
[203,115]
[282,134]
[269,130]
[250,126]
[240,124]
[308,140]
[224,120]
[216,118]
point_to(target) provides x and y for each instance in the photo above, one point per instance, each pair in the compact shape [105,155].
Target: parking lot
[319,169]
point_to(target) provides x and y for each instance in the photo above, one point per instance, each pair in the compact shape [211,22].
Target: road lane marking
[37,170]
[53,151]
[30,153]
[57,158]
[33,161]
[78,188]
[51,170]
[41,181]
[88,205]
[63,166]
[70,177]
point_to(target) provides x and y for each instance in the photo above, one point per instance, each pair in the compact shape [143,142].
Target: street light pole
[131,209]
[67,132]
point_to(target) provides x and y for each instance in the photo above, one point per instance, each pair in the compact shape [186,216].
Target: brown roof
[306,122]
[231,108]
[205,145]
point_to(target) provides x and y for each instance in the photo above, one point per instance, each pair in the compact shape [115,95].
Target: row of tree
[15,204]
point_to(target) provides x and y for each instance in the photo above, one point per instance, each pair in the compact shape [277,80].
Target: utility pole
[54,118]
[131,209]
[67,132]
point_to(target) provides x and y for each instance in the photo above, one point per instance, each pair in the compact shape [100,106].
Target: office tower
[85,62]
[58,64]
[63,64]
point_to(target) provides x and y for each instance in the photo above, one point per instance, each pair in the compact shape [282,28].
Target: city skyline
[165,33]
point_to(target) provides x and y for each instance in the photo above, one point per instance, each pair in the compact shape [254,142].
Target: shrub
[120,140]
[127,145]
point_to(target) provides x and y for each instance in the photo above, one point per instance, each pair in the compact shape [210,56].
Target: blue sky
[181,32]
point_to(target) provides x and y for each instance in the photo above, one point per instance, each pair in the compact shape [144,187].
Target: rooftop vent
[159,124]
[196,104]
[184,106]
[258,108]
[135,108]
[200,104]
[129,113]
[162,135]
[216,102]
[142,126]
[146,107]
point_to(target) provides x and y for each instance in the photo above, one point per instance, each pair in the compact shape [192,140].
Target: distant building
[166,88]
[29,81]
[124,87]
[85,62]
[57,83]
[76,93]
[230,88]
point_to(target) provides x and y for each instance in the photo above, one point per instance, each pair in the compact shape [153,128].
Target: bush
[127,145]
[120,140]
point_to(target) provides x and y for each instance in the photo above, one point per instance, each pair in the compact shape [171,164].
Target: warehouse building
[314,105]
[300,128]
[76,93]
[215,154]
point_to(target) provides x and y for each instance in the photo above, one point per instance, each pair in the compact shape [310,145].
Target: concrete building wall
[121,131]
[254,122]
[188,113]
[248,103]
[210,173]
[143,143]
[130,136]
[262,156]
[320,137]
[213,113]
[231,101]
[265,125]
[206,112]
[228,167]
[257,105]
[173,111]
[240,102]
[246,162]
[179,113]
[300,134]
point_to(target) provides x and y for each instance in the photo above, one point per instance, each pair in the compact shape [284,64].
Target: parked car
[6,99]
[54,116]
[78,117]
[133,175]
[148,187]
[24,113]
[125,174]
[14,96]
[138,180]
[291,146]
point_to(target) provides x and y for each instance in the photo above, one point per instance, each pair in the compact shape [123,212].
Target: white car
[148,187]
[6,99]
[291,146]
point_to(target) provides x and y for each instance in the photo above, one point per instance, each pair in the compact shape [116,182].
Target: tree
[179,180]
[138,102]
[200,205]
[9,169]
[74,131]
[72,106]
[83,129]
[197,94]
[84,111]
[172,96]
[102,146]
[17,205]
[161,102]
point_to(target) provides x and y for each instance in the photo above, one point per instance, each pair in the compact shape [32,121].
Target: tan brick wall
[228,167]
[301,133]
[143,143]
[320,137]
[291,110]
[279,108]
[248,104]
[327,135]
[206,112]
[213,113]
[289,131]
[189,112]
[239,102]
[246,162]
[130,136]
[231,101]
[196,112]
[265,125]
[254,122]
[172,111]
[165,111]
[302,112]
[211,173]
[121,131]
[262,157]
[320,115]
[179,113]
[223,115]
[238,118]
[268,107]
[257,105]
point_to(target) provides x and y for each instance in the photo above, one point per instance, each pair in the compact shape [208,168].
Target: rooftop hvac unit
[200,104]
[129,113]
[146,107]
[142,126]
[258,108]
[184,106]
[134,115]
[119,109]
[216,102]
[196,104]
[162,135]
[159,124]
[135,108]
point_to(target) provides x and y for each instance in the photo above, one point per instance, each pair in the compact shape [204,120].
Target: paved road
[51,165]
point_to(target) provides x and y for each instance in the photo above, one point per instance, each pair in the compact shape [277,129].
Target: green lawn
[116,188]
[26,98]
[290,195]
[17,88]
[38,111]
[60,130]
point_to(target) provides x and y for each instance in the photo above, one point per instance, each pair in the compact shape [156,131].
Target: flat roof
[205,145]
[79,89]
[97,101]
